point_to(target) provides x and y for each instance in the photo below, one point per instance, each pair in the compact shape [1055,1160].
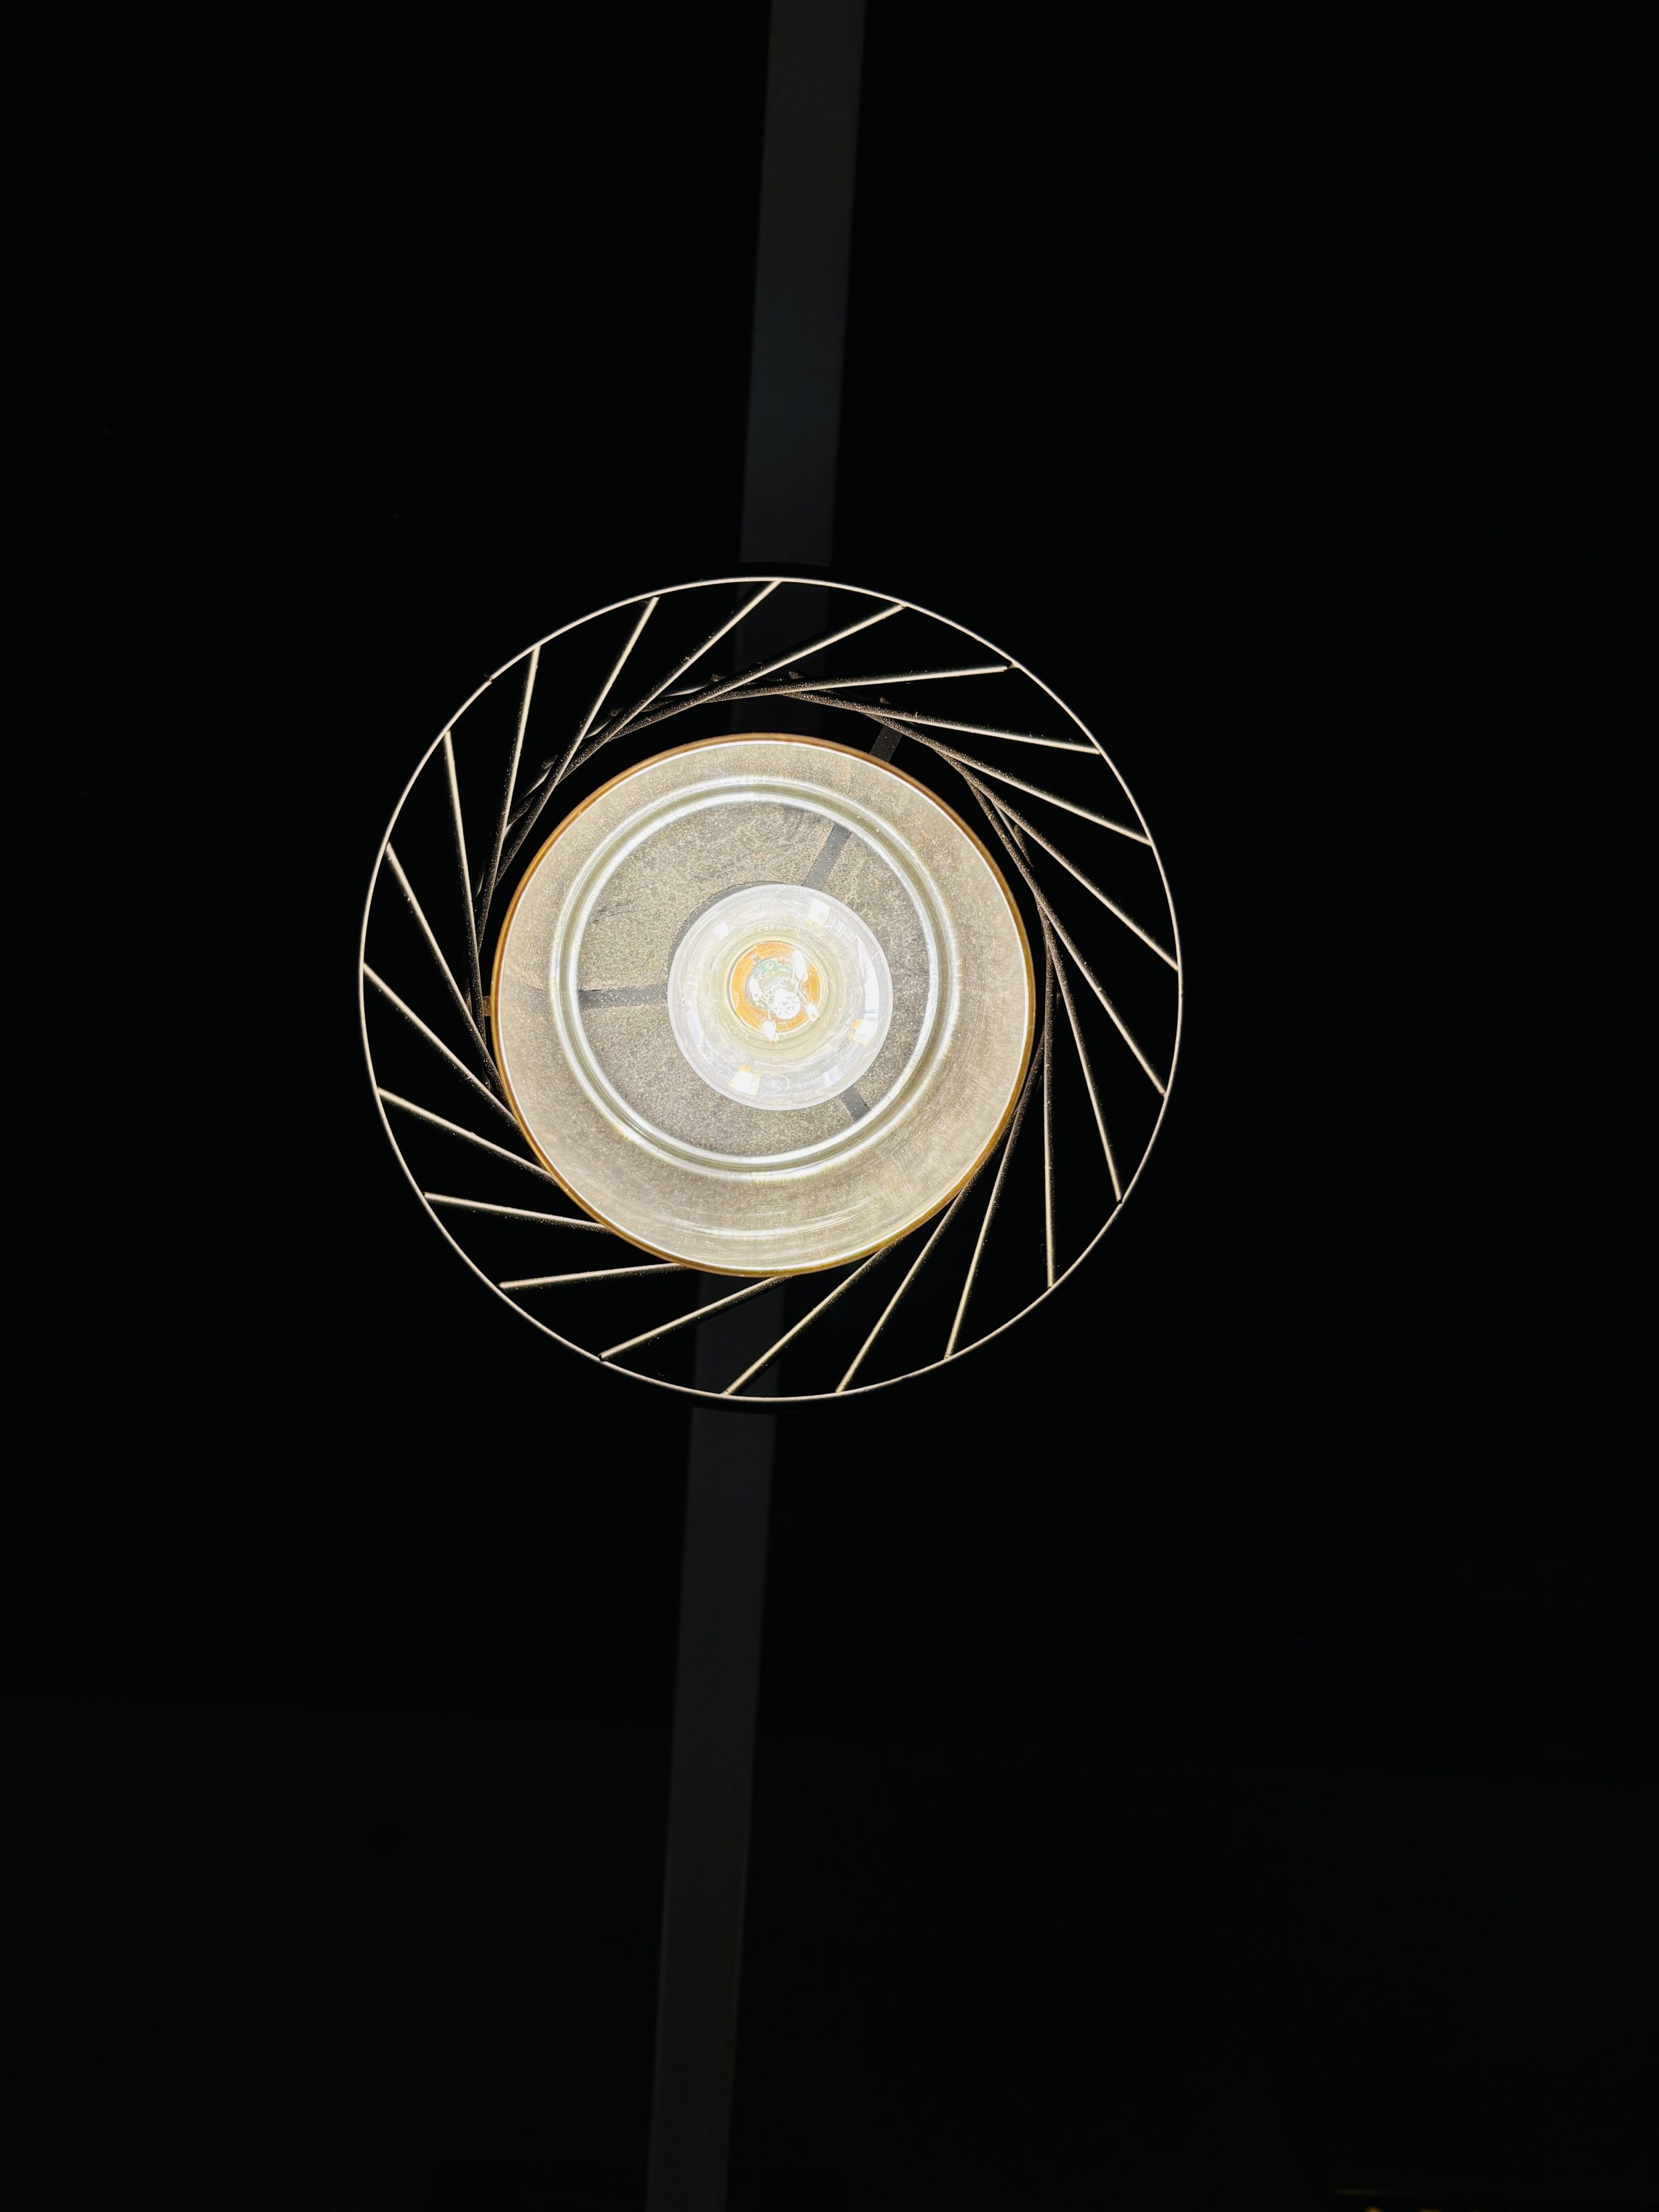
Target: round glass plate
[762,1004]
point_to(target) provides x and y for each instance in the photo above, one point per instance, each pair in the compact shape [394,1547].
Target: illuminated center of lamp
[780,996]
[775,987]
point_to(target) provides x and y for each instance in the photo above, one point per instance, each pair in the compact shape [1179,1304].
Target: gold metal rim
[824,744]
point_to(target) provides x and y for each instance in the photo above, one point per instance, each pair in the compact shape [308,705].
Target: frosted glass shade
[762,1004]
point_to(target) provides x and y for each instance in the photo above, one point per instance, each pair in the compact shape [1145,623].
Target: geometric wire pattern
[994,742]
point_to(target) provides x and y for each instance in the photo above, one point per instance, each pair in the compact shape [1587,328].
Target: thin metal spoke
[488,890]
[1054,972]
[454,1128]
[790,1334]
[1110,905]
[803,652]
[552,764]
[1052,920]
[911,1273]
[693,657]
[1093,982]
[922,676]
[1048,1109]
[1088,1075]
[603,692]
[1008,1142]
[519,1213]
[438,1045]
[588,1275]
[810,692]
[752,676]
[1036,790]
[466,876]
[979,730]
[697,1313]
[443,968]
[551,772]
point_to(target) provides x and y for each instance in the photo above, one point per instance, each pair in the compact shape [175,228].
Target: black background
[1188,1753]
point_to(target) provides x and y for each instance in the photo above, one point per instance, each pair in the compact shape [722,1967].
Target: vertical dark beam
[722,1583]
[801,260]
[788,516]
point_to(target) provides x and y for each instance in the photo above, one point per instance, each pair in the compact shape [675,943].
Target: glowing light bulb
[766,965]
[775,989]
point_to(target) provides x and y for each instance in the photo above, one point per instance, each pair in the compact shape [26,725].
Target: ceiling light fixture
[767,1004]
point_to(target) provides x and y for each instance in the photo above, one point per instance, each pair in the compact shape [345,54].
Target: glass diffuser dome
[762,1003]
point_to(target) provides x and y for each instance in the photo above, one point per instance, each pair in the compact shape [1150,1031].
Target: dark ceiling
[1182,1755]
